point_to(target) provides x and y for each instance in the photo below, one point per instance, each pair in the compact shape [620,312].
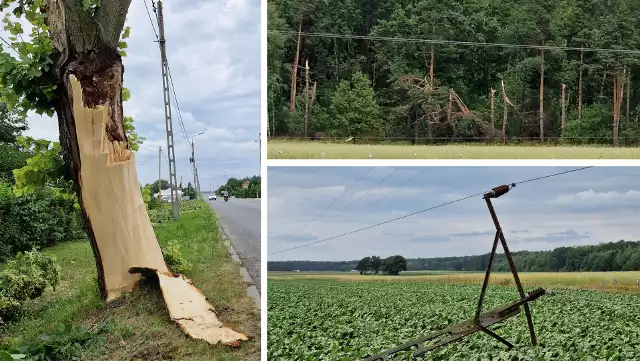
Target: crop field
[332,319]
[624,281]
[318,150]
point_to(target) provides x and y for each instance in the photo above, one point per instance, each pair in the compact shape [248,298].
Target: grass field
[602,281]
[277,149]
[139,327]
[340,319]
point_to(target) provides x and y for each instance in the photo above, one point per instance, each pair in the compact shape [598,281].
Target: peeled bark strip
[189,308]
[110,193]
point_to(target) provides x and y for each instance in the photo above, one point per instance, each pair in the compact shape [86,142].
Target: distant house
[165,194]
[296,270]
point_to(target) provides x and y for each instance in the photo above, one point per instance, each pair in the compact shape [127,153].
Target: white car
[212,197]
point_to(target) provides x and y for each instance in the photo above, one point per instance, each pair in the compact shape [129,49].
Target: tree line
[368,86]
[612,256]
[234,187]
[374,265]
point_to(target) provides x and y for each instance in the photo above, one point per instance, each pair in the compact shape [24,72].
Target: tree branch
[110,17]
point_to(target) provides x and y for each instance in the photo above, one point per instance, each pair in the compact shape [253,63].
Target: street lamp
[195,168]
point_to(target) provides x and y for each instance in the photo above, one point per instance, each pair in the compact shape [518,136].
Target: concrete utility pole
[159,172]
[196,182]
[173,183]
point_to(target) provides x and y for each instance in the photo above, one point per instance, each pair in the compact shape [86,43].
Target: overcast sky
[586,207]
[213,48]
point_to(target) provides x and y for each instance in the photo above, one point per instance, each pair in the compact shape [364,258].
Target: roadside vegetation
[488,72]
[50,305]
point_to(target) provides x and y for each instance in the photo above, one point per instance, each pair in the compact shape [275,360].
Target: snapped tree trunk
[88,70]
[95,147]
[294,72]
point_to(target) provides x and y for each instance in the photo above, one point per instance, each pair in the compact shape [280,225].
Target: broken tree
[81,79]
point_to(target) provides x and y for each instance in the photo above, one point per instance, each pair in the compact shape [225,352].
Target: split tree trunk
[294,72]
[95,147]
[432,64]
[88,102]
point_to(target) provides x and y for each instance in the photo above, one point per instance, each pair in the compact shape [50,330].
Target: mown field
[277,149]
[339,319]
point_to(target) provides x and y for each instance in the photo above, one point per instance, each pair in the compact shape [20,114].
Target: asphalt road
[241,219]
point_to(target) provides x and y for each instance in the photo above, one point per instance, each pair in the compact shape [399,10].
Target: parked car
[212,197]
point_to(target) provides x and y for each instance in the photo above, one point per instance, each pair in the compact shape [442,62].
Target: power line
[359,198]
[421,211]
[454,42]
[335,200]
[175,98]
[386,195]
[175,101]
[150,19]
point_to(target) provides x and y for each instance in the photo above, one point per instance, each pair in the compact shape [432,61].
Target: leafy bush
[66,343]
[174,258]
[188,206]
[25,277]
[37,219]
[159,215]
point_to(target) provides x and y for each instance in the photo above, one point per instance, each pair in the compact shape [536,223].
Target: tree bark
[95,147]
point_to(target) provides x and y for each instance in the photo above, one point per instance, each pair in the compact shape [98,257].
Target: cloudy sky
[213,48]
[586,207]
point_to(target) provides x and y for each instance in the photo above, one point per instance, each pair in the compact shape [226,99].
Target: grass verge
[138,324]
[278,149]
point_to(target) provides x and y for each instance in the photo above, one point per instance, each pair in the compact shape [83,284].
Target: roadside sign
[245,185]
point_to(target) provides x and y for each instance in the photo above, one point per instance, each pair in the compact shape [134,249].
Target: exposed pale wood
[294,72]
[306,98]
[618,95]
[189,308]
[506,101]
[112,199]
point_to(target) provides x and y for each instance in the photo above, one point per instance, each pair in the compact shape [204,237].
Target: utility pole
[196,181]
[173,183]
[159,172]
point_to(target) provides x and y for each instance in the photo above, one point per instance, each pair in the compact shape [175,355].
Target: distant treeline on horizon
[612,256]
